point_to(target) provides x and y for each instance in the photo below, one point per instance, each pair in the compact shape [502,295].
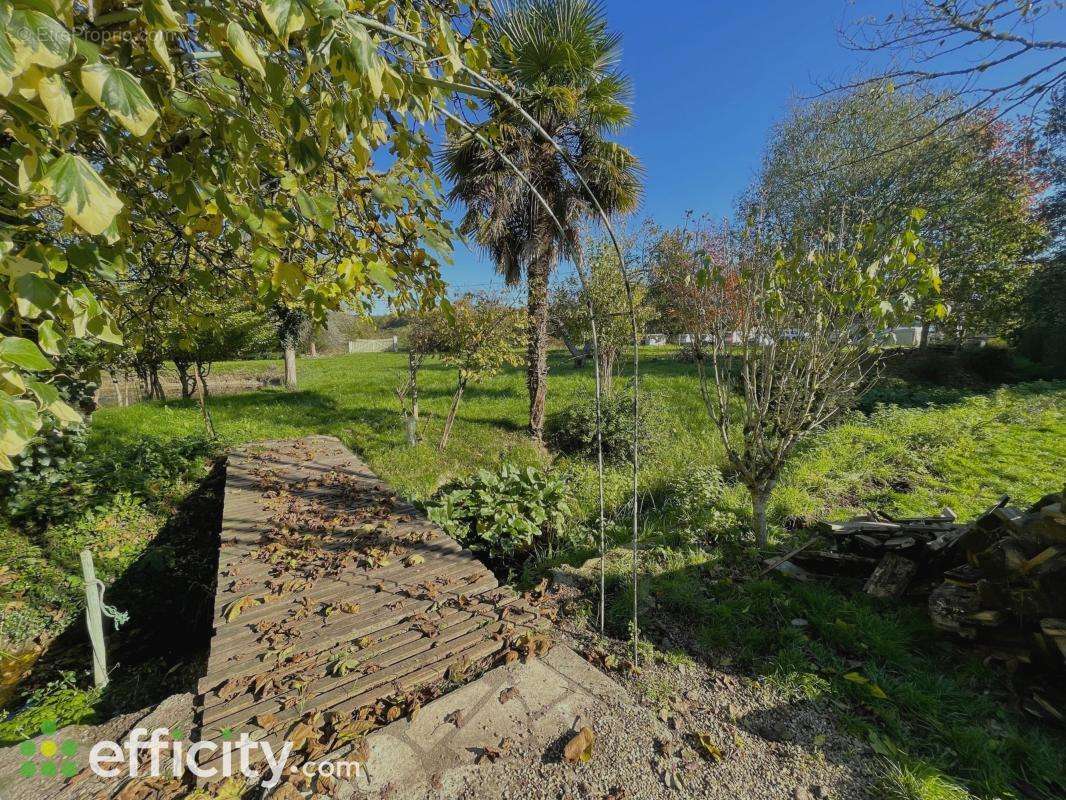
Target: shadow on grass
[168,592]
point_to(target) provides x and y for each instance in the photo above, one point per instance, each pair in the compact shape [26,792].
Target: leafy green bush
[81,480]
[573,430]
[991,363]
[61,702]
[507,514]
[54,450]
[696,503]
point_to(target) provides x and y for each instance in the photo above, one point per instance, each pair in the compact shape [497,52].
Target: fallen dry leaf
[508,694]
[266,721]
[579,748]
[710,750]
[456,718]
[240,605]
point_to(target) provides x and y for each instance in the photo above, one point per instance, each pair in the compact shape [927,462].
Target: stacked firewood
[998,581]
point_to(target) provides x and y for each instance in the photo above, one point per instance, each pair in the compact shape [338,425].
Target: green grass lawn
[964,454]
[352,397]
[946,719]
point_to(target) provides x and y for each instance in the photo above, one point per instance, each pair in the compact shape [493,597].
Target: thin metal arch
[579,268]
[510,101]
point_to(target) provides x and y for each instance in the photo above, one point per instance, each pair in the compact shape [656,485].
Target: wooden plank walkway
[338,606]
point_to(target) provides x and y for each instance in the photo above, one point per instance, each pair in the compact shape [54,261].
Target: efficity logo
[162,752]
[49,757]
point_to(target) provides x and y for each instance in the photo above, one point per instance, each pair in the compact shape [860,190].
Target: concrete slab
[546,701]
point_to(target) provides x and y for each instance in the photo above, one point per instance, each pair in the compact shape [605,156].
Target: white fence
[374,345]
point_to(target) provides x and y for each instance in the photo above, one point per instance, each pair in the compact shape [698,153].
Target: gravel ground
[648,746]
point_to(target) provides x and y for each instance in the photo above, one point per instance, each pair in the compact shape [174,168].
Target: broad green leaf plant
[275,151]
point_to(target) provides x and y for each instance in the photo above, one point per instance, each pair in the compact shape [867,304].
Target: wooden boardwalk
[339,607]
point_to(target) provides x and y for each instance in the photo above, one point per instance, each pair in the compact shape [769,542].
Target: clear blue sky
[710,78]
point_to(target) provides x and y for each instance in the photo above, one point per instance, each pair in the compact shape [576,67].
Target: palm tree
[559,60]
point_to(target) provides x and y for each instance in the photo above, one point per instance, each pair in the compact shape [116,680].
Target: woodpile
[998,581]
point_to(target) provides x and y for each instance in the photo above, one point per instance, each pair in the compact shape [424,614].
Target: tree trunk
[120,399]
[314,350]
[537,357]
[201,396]
[451,415]
[290,367]
[576,353]
[412,371]
[923,342]
[156,391]
[185,379]
[606,368]
[759,498]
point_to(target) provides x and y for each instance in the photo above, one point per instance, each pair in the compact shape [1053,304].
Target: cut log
[950,604]
[829,563]
[1055,628]
[891,577]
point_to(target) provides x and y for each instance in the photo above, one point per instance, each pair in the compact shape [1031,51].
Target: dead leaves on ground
[455,718]
[347,662]
[579,748]
[240,605]
[494,754]
[527,646]
[709,750]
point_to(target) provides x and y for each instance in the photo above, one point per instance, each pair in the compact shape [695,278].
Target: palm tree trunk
[537,363]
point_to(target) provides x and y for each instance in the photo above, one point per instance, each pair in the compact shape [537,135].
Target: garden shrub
[573,430]
[991,363]
[83,479]
[894,391]
[60,702]
[696,502]
[507,514]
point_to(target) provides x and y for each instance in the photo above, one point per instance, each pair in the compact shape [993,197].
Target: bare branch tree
[795,342]
[996,56]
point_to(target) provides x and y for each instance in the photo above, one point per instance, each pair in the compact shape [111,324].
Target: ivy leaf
[161,15]
[121,95]
[190,105]
[243,49]
[285,17]
[23,353]
[45,393]
[157,45]
[288,275]
[56,99]
[9,66]
[12,382]
[19,421]
[82,193]
[64,413]
[48,338]
[34,295]
[381,275]
[39,39]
